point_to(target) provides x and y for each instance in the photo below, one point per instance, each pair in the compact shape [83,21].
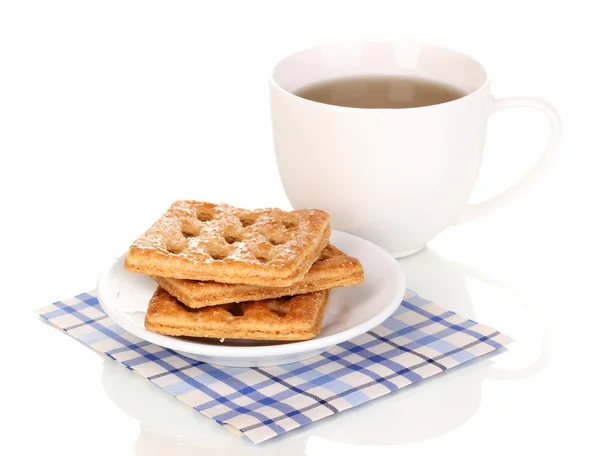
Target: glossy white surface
[111,110]
[351,311]
[409,173]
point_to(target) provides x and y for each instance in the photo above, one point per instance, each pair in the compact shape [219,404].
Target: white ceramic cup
[396,177]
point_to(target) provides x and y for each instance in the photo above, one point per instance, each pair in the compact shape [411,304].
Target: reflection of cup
[444,402]
[421,411]
[396,177]
[444,282]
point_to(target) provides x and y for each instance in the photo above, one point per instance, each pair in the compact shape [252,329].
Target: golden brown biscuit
[292,318]
[333,269]
[217,242]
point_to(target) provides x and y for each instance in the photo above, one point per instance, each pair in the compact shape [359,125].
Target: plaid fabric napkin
[419,340]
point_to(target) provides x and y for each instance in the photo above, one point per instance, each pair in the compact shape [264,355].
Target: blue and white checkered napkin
[419,340]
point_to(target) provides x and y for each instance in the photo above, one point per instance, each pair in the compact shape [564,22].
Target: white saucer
[351,311]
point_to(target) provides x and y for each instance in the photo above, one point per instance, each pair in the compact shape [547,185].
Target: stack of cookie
[226,272]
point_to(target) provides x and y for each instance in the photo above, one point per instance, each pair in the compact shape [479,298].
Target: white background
[110,110]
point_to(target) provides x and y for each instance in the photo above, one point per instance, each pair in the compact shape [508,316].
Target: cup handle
[473,211]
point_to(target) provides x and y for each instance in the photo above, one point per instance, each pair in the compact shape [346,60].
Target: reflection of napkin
[419,340]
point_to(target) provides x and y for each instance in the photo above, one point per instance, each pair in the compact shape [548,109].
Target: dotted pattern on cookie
[206,232]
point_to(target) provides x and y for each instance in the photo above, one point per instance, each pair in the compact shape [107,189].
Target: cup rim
[472,93]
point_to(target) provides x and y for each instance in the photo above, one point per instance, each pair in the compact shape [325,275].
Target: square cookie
[333,269]
[290,318]
[222,243]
